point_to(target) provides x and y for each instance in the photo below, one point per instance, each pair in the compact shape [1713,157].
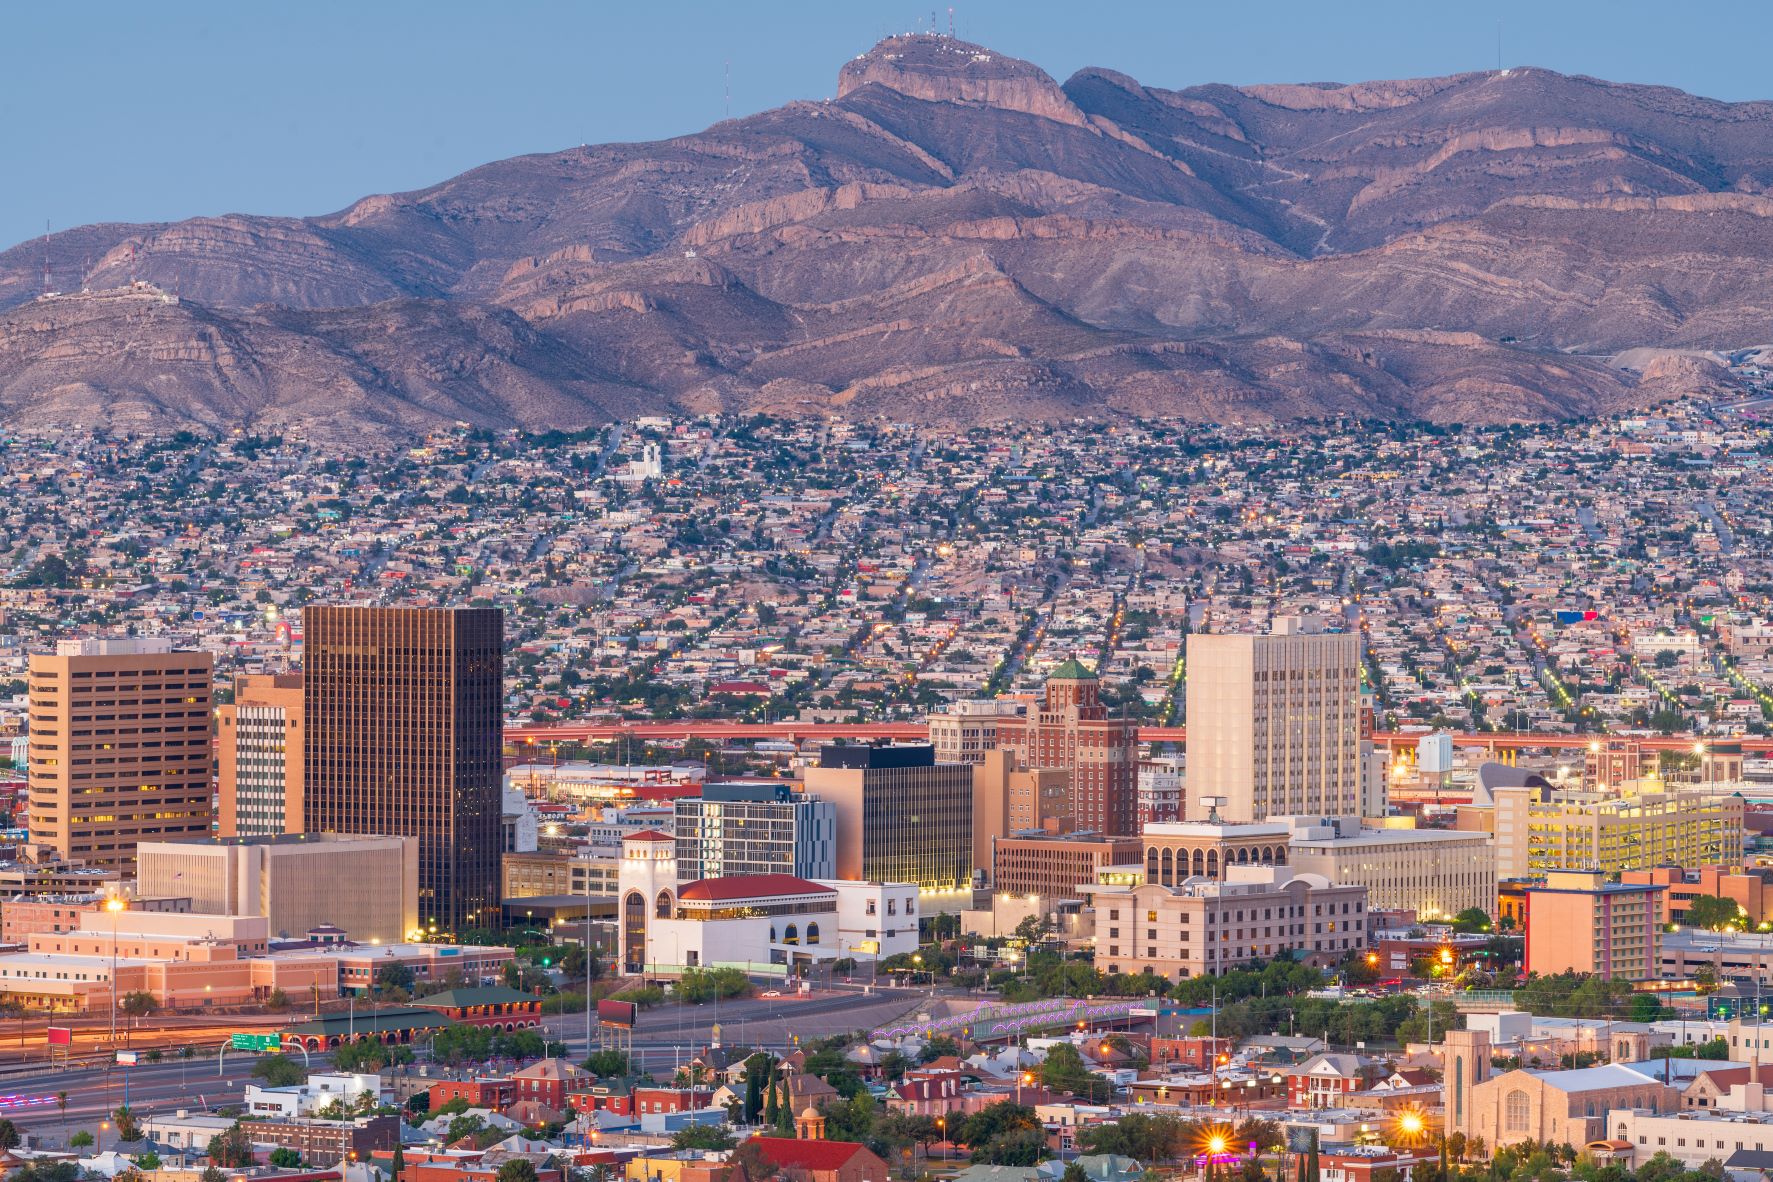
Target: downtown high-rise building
[118,747]
[403,738]
[901,816]
[1073,730]
[745,828]
[259,757]
[1274,724]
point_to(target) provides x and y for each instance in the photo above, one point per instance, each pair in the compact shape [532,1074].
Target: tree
[231,1149]
[1472,919]
[1074,1173]
[398,1163]
[702,1137]
[148,1161]
[285,1158]
[278,1000]
[1064,1070]
[128,1128]
[278,1071]
[938,1047]
[212,1174]
[464,1126]
[518,1169]
[395,976]
[1713,913]
[9,1137]
[138,1003]
[80,1140]
[607,1063]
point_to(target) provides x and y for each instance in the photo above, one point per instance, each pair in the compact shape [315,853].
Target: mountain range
[955,237]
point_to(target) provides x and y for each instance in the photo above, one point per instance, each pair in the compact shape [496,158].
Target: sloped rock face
[955,237]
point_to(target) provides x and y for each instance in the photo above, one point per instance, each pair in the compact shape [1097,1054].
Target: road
[663,1038]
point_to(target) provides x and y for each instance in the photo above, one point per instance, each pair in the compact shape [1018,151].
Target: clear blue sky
[114,111]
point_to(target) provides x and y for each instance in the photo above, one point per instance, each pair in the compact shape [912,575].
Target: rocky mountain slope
[956,237]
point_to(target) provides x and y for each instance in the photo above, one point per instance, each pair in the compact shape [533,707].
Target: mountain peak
[937,68]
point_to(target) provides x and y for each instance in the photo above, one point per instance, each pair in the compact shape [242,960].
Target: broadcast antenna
[45,256]
[729,89]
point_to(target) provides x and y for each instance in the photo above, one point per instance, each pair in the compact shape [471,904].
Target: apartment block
[735,829]
[1579,922]
[119,747]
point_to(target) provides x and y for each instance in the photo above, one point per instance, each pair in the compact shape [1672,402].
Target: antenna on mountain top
[951,22]
[729,90]
[45,256]
[1499,45]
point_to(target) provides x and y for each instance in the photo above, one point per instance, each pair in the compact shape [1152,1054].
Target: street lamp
[113,904]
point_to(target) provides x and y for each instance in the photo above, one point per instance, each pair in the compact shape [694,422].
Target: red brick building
[1360,1164]
[496,1094]
[547,1082]
[498,1006]
[1073,730]
[1191,1051]
[644,1100]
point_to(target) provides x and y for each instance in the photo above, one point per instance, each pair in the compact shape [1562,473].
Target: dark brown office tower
[404,736]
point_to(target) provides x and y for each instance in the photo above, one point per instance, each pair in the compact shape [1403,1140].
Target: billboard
[615,1013]
[61,1036]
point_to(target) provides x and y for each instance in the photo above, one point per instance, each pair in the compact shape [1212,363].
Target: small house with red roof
[816,1160]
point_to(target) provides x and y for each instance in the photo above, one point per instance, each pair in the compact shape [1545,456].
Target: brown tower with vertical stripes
[403,738]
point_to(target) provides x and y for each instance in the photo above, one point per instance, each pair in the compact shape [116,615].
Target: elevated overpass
[1498,743]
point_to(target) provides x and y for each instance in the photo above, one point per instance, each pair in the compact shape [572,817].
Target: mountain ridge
[957,237]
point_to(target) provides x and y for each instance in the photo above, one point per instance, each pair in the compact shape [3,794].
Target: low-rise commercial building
[1433,872]
[875,919]
[1206,926]
[1053,866]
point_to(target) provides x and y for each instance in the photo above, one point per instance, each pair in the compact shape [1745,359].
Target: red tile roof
[749,886]
[649,835]
[791,1153]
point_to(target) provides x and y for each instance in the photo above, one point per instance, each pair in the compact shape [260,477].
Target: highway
[528,739]
[663,1038]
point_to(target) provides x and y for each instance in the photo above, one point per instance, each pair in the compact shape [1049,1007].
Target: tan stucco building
[369,886]
[1009,798]
[1205,926]
[1433,872]
[1555,1107]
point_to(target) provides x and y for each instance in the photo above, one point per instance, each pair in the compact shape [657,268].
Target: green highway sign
[255,1042]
